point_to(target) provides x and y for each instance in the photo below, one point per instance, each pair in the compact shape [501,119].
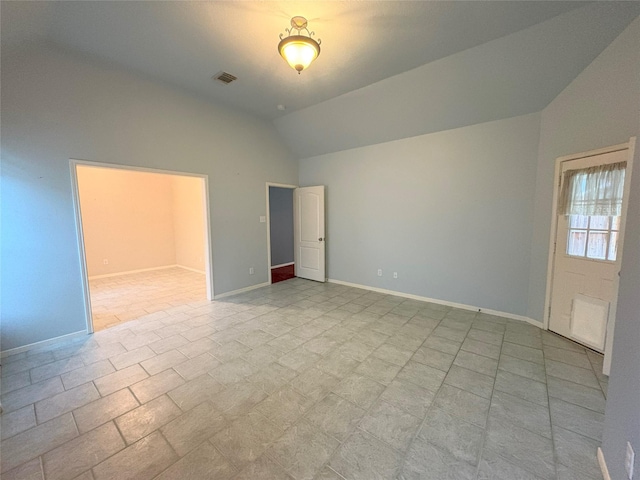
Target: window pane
[578,221]
[599,223]
[577,242]
[613,246]
[615,223]
[597,245]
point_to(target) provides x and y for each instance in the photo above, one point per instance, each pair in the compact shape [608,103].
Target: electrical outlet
[629,460]
[251,272]
[379,272]
[395,274]
[105,261]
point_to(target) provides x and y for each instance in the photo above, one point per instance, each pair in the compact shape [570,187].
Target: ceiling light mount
[297,49]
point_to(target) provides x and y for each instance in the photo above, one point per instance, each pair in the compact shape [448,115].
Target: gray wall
[56,107]
[622,415]
[599,108]
[449,211]
[281,219]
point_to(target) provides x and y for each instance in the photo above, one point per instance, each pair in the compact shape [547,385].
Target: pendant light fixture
[297,49]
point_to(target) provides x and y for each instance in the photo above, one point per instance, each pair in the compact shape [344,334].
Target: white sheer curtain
[593,191]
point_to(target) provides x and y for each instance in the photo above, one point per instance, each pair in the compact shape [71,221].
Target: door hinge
[555,244]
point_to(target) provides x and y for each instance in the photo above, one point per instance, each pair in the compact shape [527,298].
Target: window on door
[593,236]
[591,199]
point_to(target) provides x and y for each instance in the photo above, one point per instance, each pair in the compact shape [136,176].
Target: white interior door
[587,258]
[308,236]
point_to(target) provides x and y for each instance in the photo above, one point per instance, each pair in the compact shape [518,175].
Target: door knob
[320,239]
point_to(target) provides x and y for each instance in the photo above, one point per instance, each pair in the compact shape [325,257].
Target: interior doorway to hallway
[280,232]
[296,232]
[144,241]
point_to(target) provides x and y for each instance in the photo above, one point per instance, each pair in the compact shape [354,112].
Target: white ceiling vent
[224,78]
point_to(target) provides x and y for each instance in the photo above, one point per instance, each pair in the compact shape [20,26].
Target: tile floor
[127,297]
[302,380]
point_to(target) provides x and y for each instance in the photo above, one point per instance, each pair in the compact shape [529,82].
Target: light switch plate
[263,219]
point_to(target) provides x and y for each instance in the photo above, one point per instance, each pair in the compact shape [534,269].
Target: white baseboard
[241,290]
[282,265]
[192,269]
[603,465]
[141,270]
[43,343]
[462,306]
[107,275]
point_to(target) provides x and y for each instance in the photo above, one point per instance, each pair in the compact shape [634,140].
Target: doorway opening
[280,232]
[586,246]
[302,211]
[144,241]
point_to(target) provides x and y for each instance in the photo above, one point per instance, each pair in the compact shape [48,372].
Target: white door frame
[630,146]
[73,164]
[268,216]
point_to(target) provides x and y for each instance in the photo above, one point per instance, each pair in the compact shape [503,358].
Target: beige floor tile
[195,392]
[147,418]
[12,423]
[37,440]
[105,409]
[65,402]
[263,469]
[31,394]
[246,439]
[238,398]
[314,383]
[302,450]
[289,371]
[166,344]
[55,368]
[141,461]
[335,416]
[120,379]
[203,462]
[29,471]
[391,424]
[82,453]
[102,352]
[14,382]
[192,428]
[284,407]
[23,362]
[157,385]
[120,298]
[409,397]
[131,357]
[363,456]
[86,374]
[378,370]
[197,366]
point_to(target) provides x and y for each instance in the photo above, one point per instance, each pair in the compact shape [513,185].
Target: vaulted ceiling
[387,69]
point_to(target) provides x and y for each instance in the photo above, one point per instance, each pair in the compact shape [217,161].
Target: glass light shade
[299,51]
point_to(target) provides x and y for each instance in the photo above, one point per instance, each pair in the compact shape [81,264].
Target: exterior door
[309,237]
[586,265]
